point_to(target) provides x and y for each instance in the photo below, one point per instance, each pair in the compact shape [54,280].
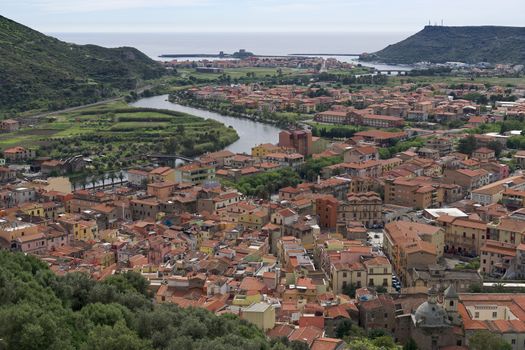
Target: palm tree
[104,178]
[112,176]
[121,176]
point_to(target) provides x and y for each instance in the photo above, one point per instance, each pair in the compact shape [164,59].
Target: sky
[56,16]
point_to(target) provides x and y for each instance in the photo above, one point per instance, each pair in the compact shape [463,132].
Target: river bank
[188,102]
[251,132]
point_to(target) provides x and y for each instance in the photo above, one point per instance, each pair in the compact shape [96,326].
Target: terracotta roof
[251,284]
[307,334]
[281,330]
[326,344]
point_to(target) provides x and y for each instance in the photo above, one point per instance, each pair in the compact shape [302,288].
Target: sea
[156,44]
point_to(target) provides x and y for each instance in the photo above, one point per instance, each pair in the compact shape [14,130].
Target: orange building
[301,140]
[326,209]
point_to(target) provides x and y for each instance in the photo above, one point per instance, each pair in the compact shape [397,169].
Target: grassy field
[501,81]
[241,72]
[115,134]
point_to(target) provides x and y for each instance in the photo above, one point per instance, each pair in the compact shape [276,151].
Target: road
[31,119]
[70,109]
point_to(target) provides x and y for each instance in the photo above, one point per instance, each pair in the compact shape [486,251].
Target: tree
[171,145]
[298,345]
[410,345]
[128,281]
[121,176]
[384,342]
[104,314]
[41,310]
[467,145]
[381,289]
[118,337]
[377,332]
[475,288]
[350,290]
[94,181]
[73,289]
[362,344]
[485,340]
[112,176]
[343,329]
[496,146]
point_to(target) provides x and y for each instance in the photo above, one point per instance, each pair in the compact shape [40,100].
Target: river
[251,133]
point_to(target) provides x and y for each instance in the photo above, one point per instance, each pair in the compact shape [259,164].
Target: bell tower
[450,303]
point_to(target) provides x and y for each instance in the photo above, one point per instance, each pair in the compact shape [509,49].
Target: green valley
[120,135]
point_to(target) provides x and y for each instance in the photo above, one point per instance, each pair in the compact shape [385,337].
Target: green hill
[440,44]
[41,72]
[40,310]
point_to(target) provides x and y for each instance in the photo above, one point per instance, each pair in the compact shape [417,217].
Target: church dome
[431,314]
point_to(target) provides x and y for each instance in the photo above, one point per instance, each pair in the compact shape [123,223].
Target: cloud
[79,6]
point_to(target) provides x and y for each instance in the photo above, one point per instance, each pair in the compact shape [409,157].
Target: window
[476,315]
[452,303]
[344,274]
[513,341]
[359,274]
[495,314]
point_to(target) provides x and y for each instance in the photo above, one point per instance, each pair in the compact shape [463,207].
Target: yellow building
[254,219]
[378,272]
[343,275]
[33,209]
[261,315]
[245,299]
[208,246]
[411,245]
[195,173]
[10,231]
[264,149]
[86,230]
[507,230]
[162,174]
[463,235]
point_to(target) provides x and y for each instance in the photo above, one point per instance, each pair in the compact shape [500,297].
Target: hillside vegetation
[39,310]
[41,72]
[440,44]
